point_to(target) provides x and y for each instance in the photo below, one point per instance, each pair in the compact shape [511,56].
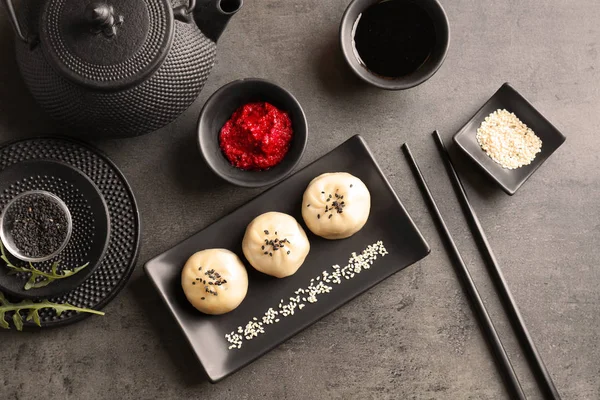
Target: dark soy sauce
[394,38]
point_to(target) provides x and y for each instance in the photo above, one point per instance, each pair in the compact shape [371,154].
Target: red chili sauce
[256,137]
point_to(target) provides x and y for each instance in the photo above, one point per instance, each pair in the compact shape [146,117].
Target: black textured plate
[508,98]
[119,260]
[91,227]
[389,222]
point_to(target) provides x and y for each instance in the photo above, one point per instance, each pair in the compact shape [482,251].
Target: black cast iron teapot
[117,67]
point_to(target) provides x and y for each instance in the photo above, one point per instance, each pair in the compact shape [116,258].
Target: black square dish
[508,98]
[388,222]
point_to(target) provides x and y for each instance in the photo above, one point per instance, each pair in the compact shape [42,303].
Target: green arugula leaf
[54,265]
[36,318]
[18,321]
[48,278]
[3,323]
[33,314]
[30,282]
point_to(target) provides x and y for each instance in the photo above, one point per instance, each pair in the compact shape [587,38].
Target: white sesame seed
[356,264]
[507,140]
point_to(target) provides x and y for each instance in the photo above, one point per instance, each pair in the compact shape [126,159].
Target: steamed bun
[275,244]
[214,281]
[336,205]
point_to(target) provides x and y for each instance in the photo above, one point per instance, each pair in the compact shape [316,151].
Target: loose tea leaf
[33,314]
[35,273]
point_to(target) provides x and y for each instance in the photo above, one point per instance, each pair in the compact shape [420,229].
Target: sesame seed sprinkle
[320,285]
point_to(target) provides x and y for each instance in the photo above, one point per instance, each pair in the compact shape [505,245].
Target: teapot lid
[109,44]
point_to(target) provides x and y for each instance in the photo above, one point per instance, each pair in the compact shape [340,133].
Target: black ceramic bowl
[510,180]
[424,72]
[219,108]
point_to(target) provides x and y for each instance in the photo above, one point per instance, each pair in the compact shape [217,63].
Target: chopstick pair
[541,373]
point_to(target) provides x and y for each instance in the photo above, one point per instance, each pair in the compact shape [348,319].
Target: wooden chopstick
[517,322]
[506,369]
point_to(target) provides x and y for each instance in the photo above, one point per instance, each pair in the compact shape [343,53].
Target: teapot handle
[14,21]
[191,6]
[184,13]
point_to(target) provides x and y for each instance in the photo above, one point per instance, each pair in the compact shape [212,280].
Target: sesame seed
[317,287]
[507,140]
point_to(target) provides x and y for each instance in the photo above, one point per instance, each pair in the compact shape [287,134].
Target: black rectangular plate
[508,98]
[388,222]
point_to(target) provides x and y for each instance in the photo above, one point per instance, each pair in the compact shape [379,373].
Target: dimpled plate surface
[90,235]
[388,222]
[119,261]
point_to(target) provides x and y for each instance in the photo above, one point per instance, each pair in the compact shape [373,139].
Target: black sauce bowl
[219,108]
[442,33]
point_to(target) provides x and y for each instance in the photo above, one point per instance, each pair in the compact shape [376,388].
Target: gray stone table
[414,335]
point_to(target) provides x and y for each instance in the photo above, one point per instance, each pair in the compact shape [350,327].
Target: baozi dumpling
[336,205]
[214,281]
[275,244]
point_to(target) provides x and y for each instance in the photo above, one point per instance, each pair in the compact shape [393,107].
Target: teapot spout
[212,16]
